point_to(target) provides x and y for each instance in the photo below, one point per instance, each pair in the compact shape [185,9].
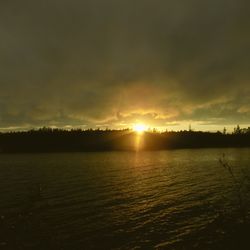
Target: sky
[114,63]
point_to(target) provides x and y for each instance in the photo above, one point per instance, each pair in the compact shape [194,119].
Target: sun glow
[139,128]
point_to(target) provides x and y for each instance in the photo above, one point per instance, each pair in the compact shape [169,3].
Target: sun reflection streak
[138,141]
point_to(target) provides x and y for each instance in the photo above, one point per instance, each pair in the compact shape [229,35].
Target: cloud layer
[114,62]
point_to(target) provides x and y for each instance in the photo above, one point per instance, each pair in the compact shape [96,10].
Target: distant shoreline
[55,141]
[114,151]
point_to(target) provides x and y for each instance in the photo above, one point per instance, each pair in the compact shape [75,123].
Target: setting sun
[139,128]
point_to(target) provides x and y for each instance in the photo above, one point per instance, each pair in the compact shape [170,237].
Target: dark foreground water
[181,199]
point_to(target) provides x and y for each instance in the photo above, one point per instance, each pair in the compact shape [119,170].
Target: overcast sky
[112,63]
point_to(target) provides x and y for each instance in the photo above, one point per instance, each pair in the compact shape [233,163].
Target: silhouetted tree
[237,130]
[224,131]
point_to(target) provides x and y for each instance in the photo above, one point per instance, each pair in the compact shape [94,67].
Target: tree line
[77,140]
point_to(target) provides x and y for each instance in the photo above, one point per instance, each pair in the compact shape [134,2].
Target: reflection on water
[179,199]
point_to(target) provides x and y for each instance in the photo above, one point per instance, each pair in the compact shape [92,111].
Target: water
[181,199]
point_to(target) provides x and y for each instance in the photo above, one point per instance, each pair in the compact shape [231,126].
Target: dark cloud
[95,62]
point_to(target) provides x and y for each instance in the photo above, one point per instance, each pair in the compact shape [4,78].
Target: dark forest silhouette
[57,140]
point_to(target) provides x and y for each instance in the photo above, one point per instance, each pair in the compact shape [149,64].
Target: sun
[139,128]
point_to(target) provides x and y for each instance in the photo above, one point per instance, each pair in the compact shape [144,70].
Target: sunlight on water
[117,200]
[138,142]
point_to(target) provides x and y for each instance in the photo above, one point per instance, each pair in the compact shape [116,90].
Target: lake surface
[180,199]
